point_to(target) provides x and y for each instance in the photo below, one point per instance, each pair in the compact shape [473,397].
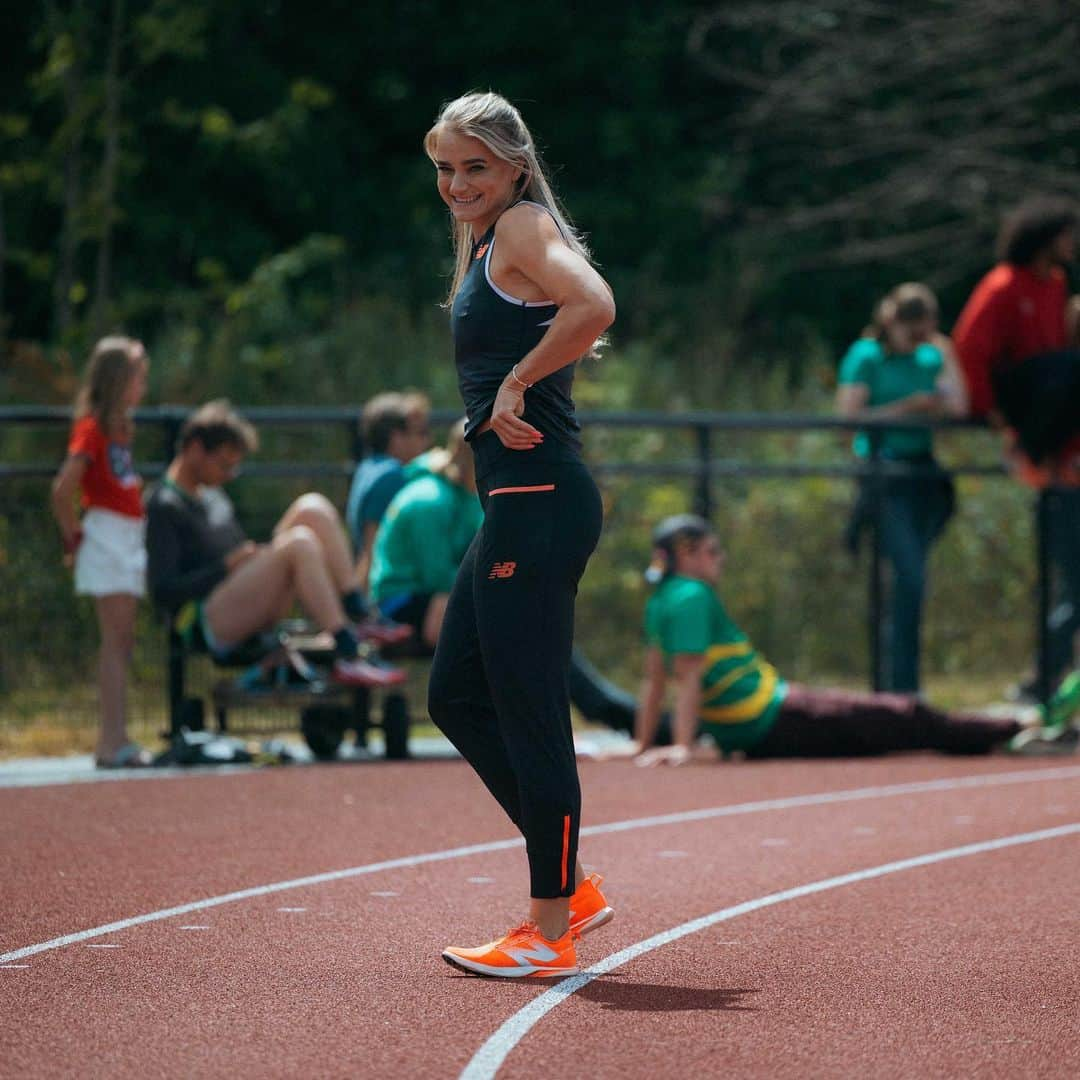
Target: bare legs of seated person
[308,560]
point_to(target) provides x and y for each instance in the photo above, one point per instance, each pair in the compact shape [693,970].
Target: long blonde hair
[112,366]
[490,118]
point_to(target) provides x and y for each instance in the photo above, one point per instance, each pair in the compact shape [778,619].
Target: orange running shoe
[523,953]
[588,908]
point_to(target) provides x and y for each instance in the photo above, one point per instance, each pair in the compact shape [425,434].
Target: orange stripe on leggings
[517,490]
[565,848]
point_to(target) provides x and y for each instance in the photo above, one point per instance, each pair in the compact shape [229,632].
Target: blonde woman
[526,303]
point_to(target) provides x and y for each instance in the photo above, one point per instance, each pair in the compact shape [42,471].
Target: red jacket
[1012,315]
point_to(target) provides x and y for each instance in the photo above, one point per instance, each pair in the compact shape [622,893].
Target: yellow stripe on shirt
[749,707]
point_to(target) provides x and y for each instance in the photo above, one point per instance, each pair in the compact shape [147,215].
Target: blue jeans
[914,512]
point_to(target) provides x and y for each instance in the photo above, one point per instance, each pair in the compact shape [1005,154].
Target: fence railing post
[703,495]
[877,510]
[1043,525]
[170,435]
[356,437]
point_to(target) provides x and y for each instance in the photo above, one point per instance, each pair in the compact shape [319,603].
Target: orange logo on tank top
[502,570]
[480,251]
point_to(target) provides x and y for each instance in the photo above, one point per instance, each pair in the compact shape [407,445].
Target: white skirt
[112,556]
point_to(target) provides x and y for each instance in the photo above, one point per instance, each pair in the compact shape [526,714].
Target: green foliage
[751,176]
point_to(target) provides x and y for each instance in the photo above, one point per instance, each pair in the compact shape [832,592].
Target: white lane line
[194,927]
[292,909]
[489,1058]
[481,880]
[822,799]
[385,892]
[104,946]
[13,967]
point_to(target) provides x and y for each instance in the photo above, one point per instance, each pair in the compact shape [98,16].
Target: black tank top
[492,332]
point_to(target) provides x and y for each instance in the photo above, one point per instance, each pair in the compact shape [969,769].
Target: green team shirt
[890,377]
[428,527]
[741,693]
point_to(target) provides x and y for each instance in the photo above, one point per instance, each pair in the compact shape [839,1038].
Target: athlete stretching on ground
[526,303]
[723,688]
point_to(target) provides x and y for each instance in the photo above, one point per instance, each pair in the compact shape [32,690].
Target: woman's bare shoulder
[527,221]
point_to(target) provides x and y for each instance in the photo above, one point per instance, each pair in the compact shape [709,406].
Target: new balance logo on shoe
[523,953]
[502,570]
[534,952]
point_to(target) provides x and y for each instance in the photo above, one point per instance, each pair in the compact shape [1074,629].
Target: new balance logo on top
[502,570]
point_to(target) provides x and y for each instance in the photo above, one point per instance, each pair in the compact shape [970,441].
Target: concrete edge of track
[787,803]
[487,1061]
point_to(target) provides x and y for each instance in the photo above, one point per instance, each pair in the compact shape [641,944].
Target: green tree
[881,142]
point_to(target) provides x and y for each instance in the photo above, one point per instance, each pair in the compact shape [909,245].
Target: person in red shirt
[1016,340]
[107,546]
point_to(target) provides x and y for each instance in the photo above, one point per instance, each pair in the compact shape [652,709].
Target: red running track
[962,966]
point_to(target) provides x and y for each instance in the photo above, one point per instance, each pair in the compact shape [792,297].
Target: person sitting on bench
[198,554]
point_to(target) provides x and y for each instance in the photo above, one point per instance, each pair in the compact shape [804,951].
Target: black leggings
[498,687]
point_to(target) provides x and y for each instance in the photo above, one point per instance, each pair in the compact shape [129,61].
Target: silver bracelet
[517,378]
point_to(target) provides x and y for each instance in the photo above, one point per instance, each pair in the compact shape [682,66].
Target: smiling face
[473,182]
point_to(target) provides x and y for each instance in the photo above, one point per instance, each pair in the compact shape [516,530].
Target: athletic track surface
[894,917]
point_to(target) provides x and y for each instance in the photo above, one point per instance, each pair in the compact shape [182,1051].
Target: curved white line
[258,890]
[822,799]
[489,1058]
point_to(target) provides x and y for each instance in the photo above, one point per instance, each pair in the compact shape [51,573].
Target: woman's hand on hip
[514,433]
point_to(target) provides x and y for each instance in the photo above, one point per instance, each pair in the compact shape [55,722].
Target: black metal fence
[648,463]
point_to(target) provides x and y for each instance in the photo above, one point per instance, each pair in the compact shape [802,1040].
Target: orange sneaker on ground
[588,908]
[524,953]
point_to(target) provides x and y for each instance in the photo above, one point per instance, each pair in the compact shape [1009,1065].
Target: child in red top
[107,546]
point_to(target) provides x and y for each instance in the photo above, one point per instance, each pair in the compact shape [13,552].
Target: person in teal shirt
[423,537]
[902,367]
[725,689]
